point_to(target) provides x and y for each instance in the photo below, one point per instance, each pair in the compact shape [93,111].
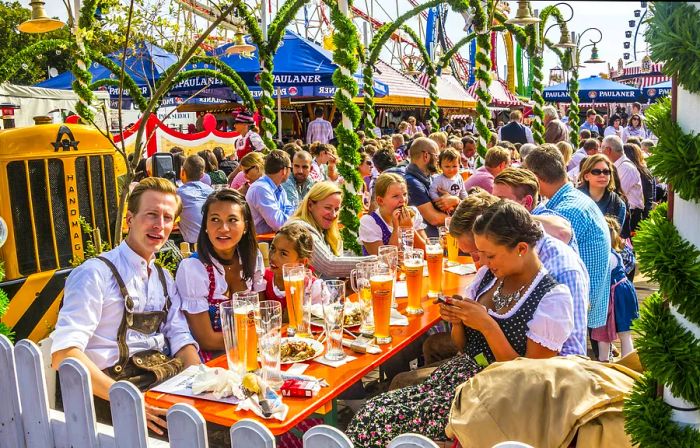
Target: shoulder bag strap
[128,309]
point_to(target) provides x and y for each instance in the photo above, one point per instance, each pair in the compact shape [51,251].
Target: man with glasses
[297,185]
[266,198]
[424,154]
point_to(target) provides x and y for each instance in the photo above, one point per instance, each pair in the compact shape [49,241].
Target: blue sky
[611,17]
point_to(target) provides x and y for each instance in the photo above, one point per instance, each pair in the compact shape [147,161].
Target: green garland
[674,38]
[648,419]
[669,352]
[482,75]
[368,112]
[14,64]
[676,158]
[129,83]
[347,45]
[574,109]
[673,262]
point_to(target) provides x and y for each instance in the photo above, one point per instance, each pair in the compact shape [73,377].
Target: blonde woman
[566,151]
[251,168]
[319,213]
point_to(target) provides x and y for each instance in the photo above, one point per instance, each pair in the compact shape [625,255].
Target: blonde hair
[566,151]
[253,159]
[440,138]
[614,226]
[157,184]
[495,156]
[386,180]
[319,192]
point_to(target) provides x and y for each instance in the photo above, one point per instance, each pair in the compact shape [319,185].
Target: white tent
[35,101]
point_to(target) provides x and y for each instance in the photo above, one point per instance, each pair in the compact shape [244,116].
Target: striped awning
[636,77]
[501,96]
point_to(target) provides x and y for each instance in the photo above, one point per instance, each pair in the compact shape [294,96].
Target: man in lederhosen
[121,312]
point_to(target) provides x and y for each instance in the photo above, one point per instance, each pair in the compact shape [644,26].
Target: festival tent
[500,95]
[593,89]
[404,91]
[302,69]
[452,94]
[658,90]
[144,63]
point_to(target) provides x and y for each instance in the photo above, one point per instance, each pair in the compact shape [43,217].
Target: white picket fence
[27,421]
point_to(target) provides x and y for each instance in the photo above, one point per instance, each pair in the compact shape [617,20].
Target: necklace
[501,301]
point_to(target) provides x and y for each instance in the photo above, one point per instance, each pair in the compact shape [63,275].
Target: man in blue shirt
[193,194]
[424,154]
[590,228]
[266,198]
[590,121]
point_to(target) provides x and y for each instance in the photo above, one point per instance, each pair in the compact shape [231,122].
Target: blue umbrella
[301,69]
[658,90]
[593,90]
[144,63]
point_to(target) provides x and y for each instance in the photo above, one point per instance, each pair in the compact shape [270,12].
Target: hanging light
[40,22]
[411,69]
[594,59]
[565,40]
[240,46]
[523,16]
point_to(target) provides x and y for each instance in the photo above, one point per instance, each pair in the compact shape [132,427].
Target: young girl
[450,180]
[623,307]
[382,226]
[227,261]
[293,243]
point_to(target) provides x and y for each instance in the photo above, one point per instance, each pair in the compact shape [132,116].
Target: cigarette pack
[300,388]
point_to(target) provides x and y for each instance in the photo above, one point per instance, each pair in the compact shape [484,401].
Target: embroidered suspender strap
[161,277]
[212,282]
[128,309]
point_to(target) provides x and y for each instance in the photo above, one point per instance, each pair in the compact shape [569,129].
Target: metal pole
[263,19]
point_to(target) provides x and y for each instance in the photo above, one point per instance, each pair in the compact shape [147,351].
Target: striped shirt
[319,130]
[593,243]
[568,269]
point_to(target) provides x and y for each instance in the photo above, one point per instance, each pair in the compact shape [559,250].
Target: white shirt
[610,130]
[453,186]
[631,182]
[576,159]
[93,308]
[192,280]
[553,320]
[370,231]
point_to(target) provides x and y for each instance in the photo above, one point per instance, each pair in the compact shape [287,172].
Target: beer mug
[246,310]
[382,289]
[413,267]
[434,257]
[452,247]
[359,281]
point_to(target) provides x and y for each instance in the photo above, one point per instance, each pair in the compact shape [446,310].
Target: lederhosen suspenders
[152,361]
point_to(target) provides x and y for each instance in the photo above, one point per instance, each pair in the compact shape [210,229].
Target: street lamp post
[575,54]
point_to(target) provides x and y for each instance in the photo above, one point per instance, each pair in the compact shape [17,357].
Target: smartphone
[443,299]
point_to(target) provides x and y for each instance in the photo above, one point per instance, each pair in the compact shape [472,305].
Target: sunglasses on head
[597,172]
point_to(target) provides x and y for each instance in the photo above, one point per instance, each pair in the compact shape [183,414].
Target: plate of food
[352,318]
[299,350]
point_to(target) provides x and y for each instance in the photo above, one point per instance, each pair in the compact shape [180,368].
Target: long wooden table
[339,379]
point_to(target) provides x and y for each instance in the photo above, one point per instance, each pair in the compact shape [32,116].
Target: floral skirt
[422,409]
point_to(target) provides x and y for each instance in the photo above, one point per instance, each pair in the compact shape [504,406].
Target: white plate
[317,346]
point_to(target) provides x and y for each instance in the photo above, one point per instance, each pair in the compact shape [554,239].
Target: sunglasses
[597,172]
[246,171]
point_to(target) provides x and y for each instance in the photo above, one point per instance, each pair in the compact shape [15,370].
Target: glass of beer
[359,281]
[333,297]
[406,237]
[269,326]
[246,310]
[452,247]
[294,275]
[434,255]
[413,267]
[382,287]
[228,329]
[389,255]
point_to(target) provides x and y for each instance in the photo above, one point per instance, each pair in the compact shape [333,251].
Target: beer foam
[432,250]
[381,278]
[413,263]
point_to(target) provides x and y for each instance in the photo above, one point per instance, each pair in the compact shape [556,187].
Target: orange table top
[339,379]
[265,237]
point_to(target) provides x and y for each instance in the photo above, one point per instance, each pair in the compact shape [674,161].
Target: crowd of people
[549,225]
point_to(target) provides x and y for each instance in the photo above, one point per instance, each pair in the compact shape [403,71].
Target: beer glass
[434,255]
[293,275]
[333,296]
[228,329]
[269,326]
[303,327]
[389,255]
[359,281]
[246,309]
[382,287]
[406,238]
[452,248]
[413,267]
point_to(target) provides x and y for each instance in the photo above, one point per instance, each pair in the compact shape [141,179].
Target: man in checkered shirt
[589,225]
[319,130]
